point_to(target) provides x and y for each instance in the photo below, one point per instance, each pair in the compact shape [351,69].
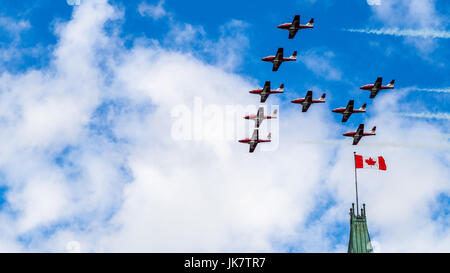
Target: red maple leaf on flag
[370,161]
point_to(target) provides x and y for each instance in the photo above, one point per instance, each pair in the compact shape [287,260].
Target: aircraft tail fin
[311,22]
[373,129]
[275,112]
[391,84]
[322,98]
[269,136]
[363,107]
[281,88]
[294,55]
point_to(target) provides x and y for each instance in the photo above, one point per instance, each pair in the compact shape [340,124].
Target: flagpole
[356,185]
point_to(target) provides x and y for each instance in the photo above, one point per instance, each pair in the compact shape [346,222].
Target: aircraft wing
[260,113]
[253,146]
[348,110]
[292,33]
[308,96]
[307,101]
[255,135]
[346,116]
[360,130]
[350,105]
[265,91]
[359,134]
[259,117]
[377,84]
[306,106]
[296,21]
[373,93]
[279,55]
[275,66]
[264,97]
[356,139]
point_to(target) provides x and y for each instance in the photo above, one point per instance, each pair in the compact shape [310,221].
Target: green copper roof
[359,234]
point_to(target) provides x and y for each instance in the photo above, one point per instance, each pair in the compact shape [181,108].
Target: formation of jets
[306,102]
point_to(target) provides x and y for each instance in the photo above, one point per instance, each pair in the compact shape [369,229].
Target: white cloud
[373,2]
[231,45]
[226,51]
[44,112]
[73,2]
[11,49]
[47,112]
[415,13]
[321,63]
[129,186]
[416,19]
[12,26]
[156,11]
[184,35]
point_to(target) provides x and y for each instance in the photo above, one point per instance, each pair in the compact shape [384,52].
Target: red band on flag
[381,163]
[359,161]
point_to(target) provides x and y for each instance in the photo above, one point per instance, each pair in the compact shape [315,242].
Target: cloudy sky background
[89,96]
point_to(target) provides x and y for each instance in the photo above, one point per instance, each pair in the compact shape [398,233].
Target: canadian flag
[370,162]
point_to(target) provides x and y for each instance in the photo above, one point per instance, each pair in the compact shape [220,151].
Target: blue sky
[360,58]
[100,157]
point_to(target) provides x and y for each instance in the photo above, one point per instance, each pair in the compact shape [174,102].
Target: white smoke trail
[428,90]
[439,90]
[406,145]
[443,116]
[424,33]
[436,146]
